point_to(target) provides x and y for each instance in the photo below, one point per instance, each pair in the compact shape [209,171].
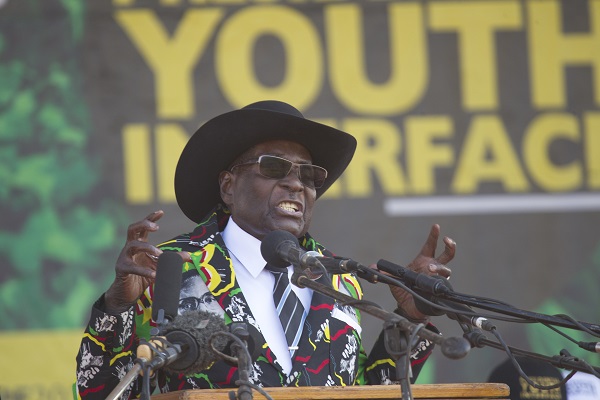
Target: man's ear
[226,185]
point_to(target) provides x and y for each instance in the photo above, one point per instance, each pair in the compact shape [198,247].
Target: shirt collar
[245,247]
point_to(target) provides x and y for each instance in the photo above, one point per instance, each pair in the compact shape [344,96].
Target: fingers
[426,259]
[139,230]
[138,258]
[449,251]
[136,247]
[440,269]
[155,216]
[428,249]
[132,268]
[144,260]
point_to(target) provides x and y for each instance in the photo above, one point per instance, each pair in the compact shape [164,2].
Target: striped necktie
[289,308]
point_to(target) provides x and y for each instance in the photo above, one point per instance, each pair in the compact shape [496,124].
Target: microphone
[429,287]
[339,265]
[281,248]
[185,343]
[167,287]
[183,346]
[428,284]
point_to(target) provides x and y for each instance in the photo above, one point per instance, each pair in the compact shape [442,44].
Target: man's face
[194,296]
[259,204]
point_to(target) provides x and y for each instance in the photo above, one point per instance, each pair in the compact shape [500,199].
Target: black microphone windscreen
[275,241]
[167,285]
[194,329]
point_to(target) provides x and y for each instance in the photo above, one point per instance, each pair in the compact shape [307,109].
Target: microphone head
[167,285]
[194,329]
[274,244]
[455,347]
[426,308]
[253,343]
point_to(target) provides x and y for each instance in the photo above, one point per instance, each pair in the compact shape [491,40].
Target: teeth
[288,206]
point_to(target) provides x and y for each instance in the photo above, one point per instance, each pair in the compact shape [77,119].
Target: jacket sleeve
[380,368]
[107,352]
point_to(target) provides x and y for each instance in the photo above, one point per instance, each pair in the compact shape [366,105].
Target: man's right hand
[136,265]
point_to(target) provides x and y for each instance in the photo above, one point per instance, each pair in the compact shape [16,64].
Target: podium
[454,391]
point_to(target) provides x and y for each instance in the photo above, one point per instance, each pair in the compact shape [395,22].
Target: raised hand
[135,269]
[426,263]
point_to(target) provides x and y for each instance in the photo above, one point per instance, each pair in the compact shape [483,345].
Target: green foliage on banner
[55,230]
[580,301]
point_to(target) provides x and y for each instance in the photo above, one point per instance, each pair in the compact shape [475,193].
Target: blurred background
[481,116]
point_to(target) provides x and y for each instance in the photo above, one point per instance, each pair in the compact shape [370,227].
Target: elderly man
[242,175]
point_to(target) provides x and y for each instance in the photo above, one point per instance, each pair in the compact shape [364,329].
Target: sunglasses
[274,167]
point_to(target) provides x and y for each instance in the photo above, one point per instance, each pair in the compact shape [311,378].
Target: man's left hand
[425,263]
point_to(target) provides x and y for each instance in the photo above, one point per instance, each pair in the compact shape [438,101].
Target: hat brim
[222,139]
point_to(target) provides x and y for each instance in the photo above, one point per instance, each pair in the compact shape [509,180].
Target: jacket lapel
[216,269]
[323,357]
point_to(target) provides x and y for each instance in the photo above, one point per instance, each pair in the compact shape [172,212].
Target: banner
[481,115]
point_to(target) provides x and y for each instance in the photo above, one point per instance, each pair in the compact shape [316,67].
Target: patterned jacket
[329,353]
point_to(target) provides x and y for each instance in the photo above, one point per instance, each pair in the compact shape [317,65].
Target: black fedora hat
[222,139]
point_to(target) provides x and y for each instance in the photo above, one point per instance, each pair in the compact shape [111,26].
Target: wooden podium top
[434,391]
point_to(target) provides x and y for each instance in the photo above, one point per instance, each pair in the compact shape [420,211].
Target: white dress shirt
[257,284]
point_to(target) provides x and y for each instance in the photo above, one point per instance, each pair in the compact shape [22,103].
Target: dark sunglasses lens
[279,168]
[273,167]
[312,175]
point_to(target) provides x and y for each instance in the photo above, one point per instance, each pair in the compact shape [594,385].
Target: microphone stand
[240,330]
[239,334]
[126,381]
[451,347]
[398,345]
[143,361]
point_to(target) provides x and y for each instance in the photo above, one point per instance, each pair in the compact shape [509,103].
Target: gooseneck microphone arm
[451,347]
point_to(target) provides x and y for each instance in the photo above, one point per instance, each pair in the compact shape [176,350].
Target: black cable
[515,363]
[566,356]
[524,316]
[231,336]
[578,324]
